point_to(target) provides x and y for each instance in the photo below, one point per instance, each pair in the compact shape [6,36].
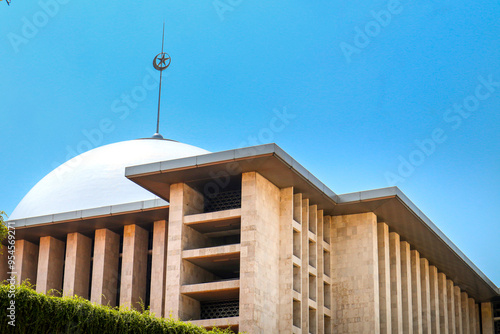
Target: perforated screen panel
[220,309]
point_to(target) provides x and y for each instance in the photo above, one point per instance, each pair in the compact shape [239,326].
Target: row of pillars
[66,266]
[416,298]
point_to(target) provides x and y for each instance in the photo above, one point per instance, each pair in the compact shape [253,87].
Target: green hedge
[39,313]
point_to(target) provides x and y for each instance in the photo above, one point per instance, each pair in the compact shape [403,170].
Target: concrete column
[355,302]
[450,304]
[435,320]
[26,261]
[77,265]
[458,310]
[487,318]
[305,267]
[134,266]
[158,268]
[465,313]
[286,262]
[477,319]
[319,279]
[184,200]
[416,292]
[443,303]
[105,267]
[50,265]
[396,294]
[313,261]
[426,296]
[472,316]
[384,278]
[259,273]
[406,292]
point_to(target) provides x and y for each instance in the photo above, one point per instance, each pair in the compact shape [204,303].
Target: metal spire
[161,62]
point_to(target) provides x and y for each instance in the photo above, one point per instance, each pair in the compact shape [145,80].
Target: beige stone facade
[264,254]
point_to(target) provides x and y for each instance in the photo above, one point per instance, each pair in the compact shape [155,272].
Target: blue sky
[374,93]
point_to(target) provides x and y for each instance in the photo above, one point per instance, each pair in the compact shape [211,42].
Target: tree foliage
[3,229]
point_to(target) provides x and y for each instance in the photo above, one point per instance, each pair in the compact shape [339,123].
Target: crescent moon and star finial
[160,62]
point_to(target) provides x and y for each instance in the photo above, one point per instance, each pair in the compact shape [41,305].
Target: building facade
[250,239]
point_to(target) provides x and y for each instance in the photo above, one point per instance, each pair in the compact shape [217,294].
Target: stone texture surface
[396,294]
[472,316]
[184,200]
[443,303]
[355,304]
[105,267]
[458,310]
[26,261]
[50,265]
[159,268]
[465,313]
[434,292]
[426,296]
[286,263]
[406,292]
[304,220]
[416,291]
[487,318]
[77,265]
[134,266]
[451,307]
[384,278]
[259,267]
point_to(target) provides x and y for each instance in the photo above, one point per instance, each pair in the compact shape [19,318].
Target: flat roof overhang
[389,204]
[87,221]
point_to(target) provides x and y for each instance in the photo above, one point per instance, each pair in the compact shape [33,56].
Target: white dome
[97,178]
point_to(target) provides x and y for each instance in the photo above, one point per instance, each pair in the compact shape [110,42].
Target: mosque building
[246,238]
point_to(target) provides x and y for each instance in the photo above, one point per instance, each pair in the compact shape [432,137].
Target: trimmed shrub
[40,313]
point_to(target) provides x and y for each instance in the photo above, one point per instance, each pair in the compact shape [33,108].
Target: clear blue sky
[367,84]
